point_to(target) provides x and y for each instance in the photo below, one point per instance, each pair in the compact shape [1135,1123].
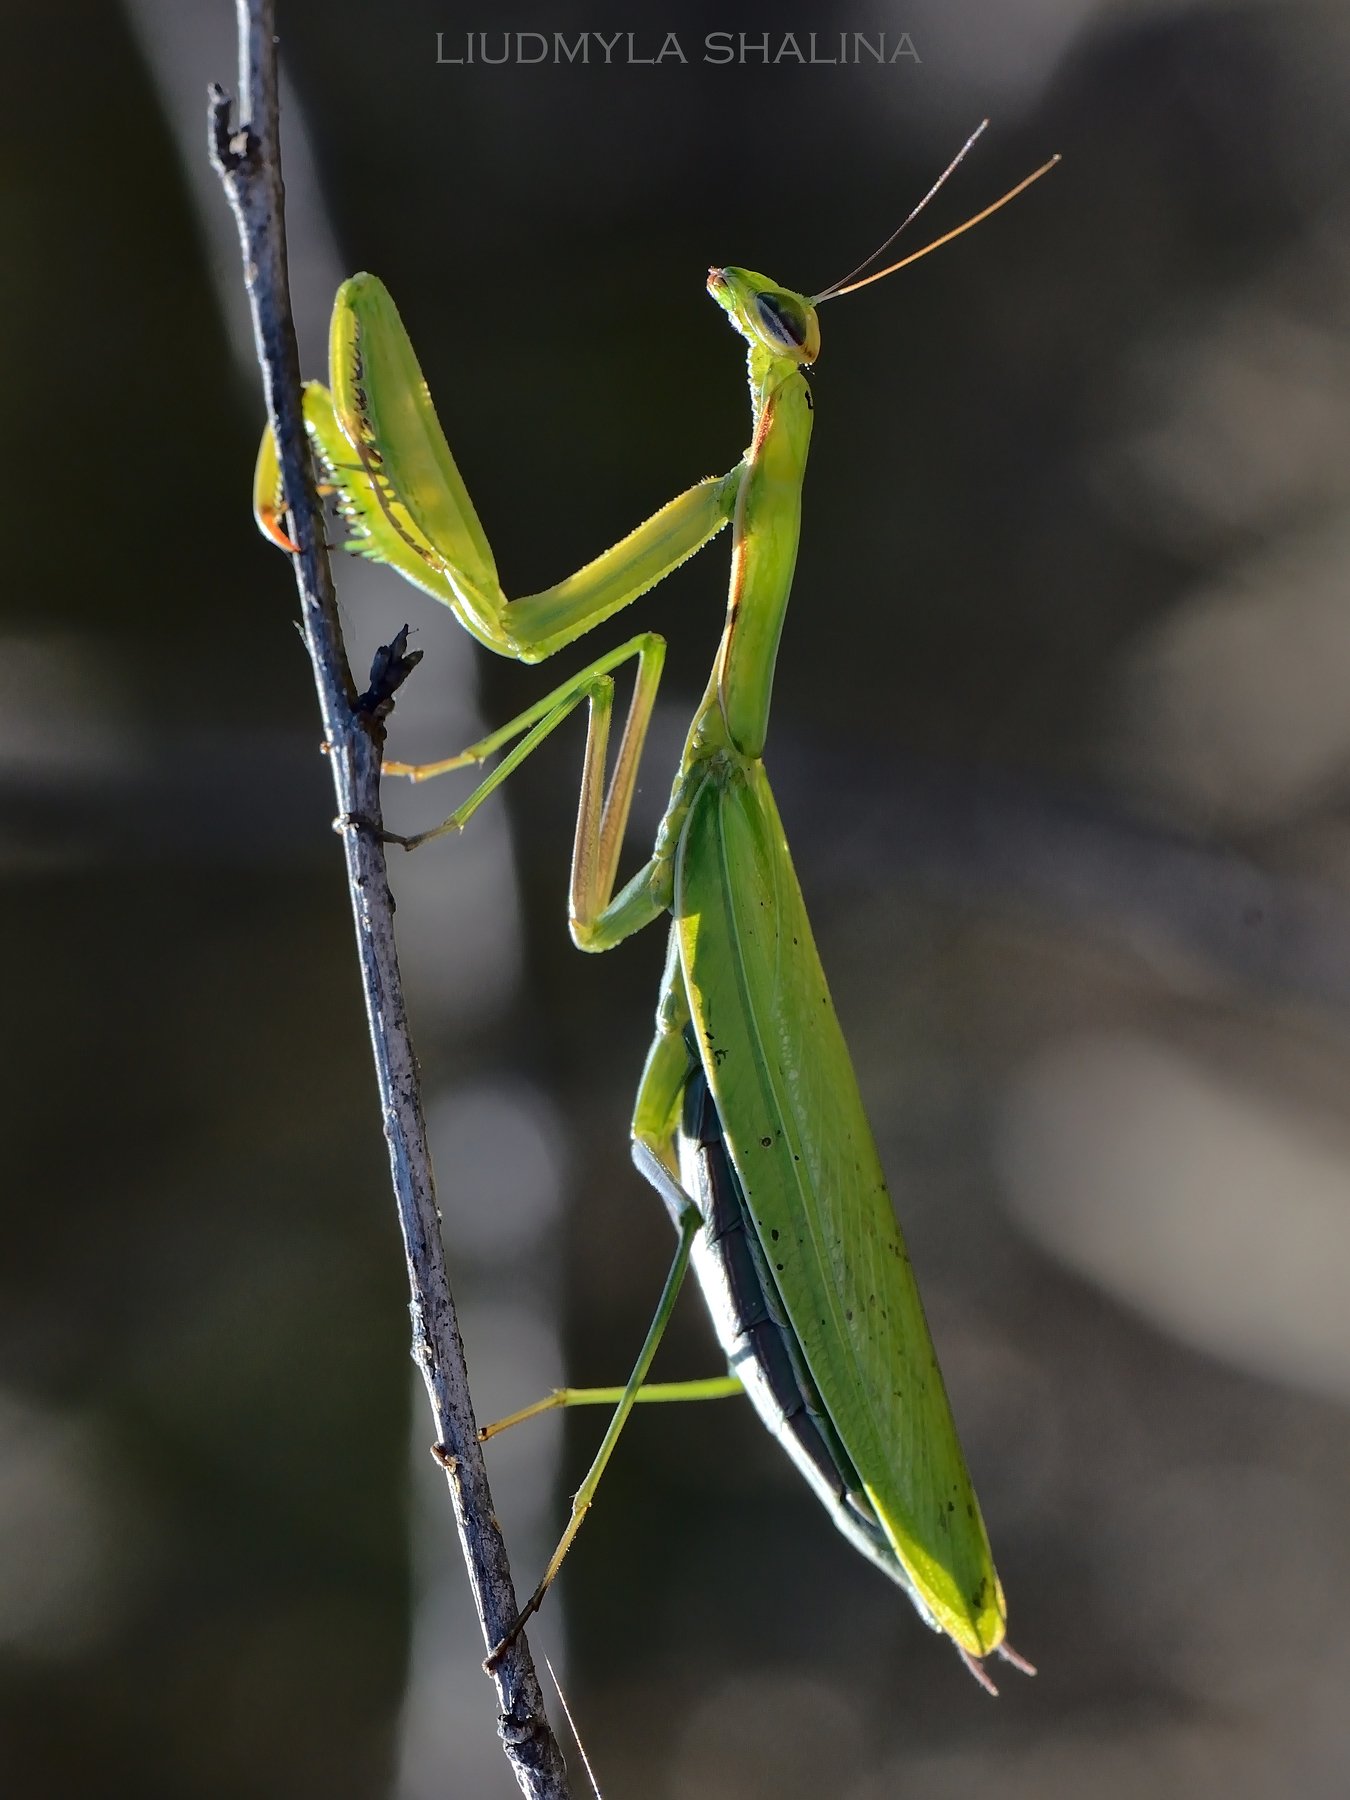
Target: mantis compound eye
[783,320]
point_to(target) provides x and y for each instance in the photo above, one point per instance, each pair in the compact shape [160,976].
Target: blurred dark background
[1061,738]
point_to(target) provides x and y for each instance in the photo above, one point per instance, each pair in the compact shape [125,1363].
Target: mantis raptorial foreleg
[380,446]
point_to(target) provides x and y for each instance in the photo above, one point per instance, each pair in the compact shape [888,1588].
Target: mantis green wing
[779,1070]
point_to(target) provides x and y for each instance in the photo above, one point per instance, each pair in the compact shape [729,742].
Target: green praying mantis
[748,1120]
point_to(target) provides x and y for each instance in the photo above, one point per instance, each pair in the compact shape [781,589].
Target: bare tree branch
[247,159]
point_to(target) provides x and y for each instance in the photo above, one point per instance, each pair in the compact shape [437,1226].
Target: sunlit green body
[778,1067]
[743,978]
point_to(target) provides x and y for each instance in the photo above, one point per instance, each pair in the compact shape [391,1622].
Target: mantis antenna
[884,246]
[849,286]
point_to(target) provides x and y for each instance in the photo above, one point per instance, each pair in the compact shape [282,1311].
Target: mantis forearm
[382,451]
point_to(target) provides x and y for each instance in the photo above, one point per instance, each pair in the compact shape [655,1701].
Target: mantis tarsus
[748,1120]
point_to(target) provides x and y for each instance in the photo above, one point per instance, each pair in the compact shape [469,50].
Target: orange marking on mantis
[740,551]
[269,517]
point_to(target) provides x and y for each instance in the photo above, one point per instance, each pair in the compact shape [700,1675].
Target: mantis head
[781,324]
[768,317]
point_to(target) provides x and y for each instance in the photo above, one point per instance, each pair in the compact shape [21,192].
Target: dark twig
[248,162]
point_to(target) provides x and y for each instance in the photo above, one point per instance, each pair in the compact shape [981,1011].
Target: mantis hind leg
[660,1097]
[585,1494]
[655,1115]
[652,1393]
